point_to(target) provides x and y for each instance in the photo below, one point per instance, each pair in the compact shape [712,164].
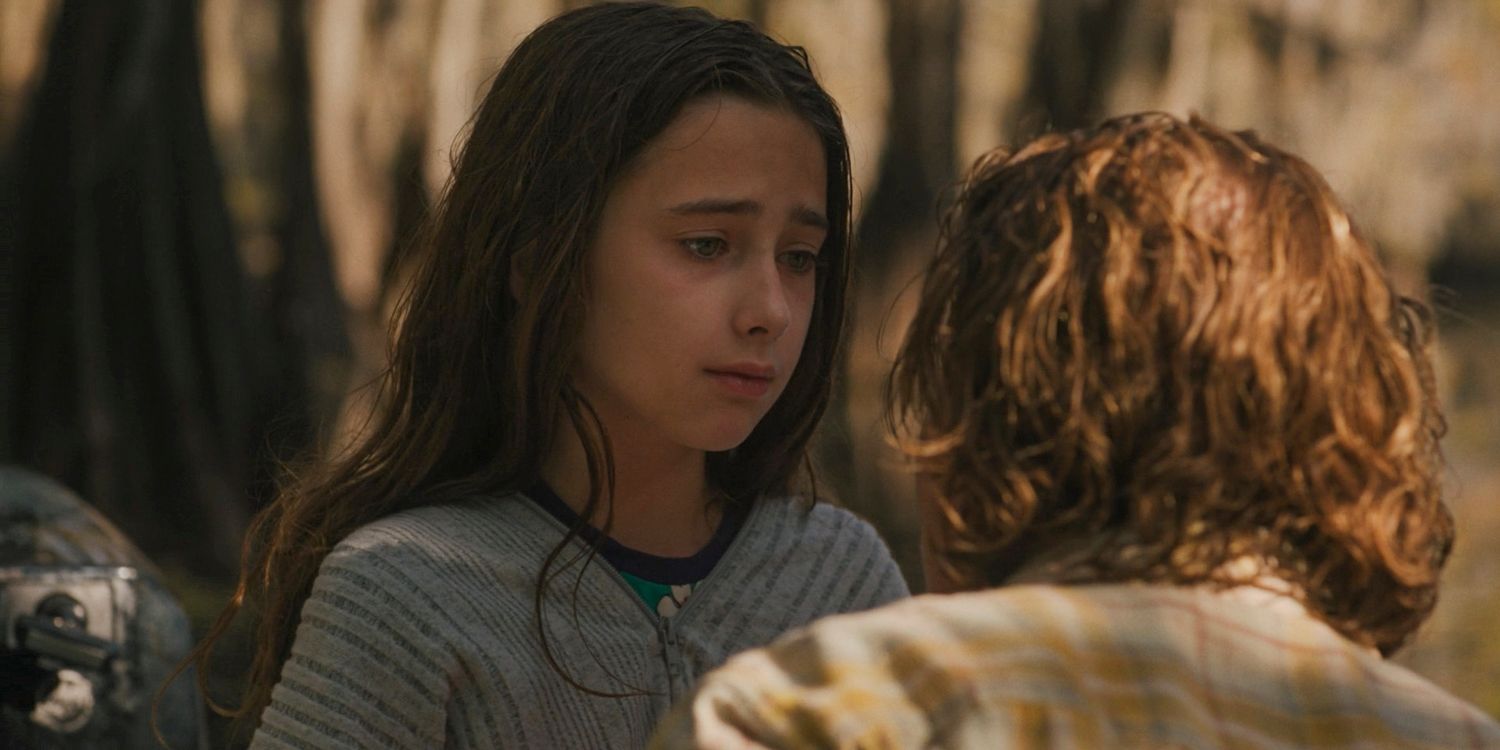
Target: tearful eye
[800,261]
[704,247]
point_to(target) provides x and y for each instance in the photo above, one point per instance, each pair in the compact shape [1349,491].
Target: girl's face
[702,277]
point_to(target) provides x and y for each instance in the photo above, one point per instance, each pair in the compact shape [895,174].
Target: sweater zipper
[731,552]
[678,681]
[671,652]
[669,657]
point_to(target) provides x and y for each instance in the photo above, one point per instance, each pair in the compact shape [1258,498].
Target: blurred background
[203,208]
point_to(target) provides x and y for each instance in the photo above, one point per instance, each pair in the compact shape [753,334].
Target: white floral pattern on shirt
[669,605]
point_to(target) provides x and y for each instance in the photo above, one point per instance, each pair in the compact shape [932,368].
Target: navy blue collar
[670,571]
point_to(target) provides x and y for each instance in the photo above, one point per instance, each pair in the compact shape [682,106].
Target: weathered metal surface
[86,622]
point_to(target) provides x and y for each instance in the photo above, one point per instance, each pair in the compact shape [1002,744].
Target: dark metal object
[87,631]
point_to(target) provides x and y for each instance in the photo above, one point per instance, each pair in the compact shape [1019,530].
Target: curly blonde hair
[1165,347]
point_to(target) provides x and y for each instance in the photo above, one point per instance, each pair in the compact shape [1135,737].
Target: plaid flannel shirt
[1107,666]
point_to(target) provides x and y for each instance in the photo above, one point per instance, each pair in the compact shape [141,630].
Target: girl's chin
[725,440]
[723,446]
[722,431]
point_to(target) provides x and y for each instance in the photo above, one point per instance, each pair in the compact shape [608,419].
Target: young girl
[576,495]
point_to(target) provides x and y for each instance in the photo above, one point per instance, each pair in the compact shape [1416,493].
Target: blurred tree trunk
[895,234]
[916,162]
[303,305]
[138,372]
[1071,56]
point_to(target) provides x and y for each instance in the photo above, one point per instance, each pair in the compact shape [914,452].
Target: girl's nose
[764,309]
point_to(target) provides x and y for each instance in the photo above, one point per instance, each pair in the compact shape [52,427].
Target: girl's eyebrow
[801,214]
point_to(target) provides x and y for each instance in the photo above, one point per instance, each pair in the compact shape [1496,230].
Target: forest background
[205,206]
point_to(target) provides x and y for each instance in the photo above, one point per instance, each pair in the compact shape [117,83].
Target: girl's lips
[740,384]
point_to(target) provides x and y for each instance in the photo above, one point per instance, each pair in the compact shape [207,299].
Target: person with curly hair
[1176,441]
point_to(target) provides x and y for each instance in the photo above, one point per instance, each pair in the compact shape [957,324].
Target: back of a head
[1157,350]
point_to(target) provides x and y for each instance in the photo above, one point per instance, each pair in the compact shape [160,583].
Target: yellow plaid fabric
[1107,666]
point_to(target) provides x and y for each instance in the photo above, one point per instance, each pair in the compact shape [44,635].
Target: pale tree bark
[845,40]
[23,25]
[393,84]
[474,38]
[366,81]
[994,45]
[1392,101]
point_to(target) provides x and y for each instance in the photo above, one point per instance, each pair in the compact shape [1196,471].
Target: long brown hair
[478,375]
[1166,347]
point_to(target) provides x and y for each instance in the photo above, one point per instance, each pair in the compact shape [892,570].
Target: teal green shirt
[664,599]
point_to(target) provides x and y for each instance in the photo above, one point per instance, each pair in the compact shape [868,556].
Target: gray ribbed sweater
[420,630]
